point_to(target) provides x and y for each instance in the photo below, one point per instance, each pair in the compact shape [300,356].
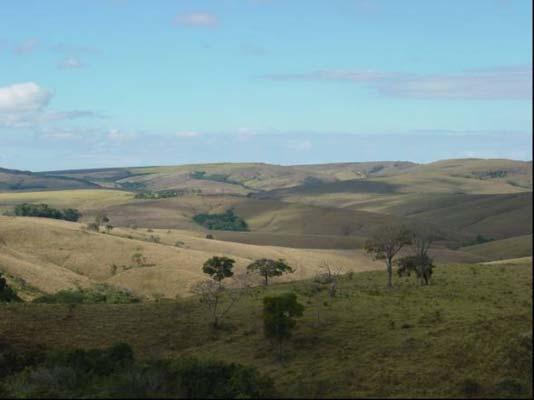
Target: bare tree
[386,242]
[330,275]
[217,298]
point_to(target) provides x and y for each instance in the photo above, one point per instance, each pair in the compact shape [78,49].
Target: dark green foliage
[269,268]
[45,211]
[98,362]
[7,294]
[219,268]
[100,293]
[420,264]
[114,373]
[13,361]
[279,314]
[227,221]
[215,379]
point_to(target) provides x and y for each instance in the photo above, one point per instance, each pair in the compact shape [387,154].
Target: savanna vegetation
[45,211]
[227,221]
[466,334]
[361,280]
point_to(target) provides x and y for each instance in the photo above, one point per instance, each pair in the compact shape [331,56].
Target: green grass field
[410,341]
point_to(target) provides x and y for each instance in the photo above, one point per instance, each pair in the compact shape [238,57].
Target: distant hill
[14,180]
[447,176]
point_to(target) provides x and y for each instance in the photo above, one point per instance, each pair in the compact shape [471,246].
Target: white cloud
[198,19]
[71,63]
[23,97]
[187,134]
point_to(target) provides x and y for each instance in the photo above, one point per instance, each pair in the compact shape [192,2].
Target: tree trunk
[266,280]
[390,272]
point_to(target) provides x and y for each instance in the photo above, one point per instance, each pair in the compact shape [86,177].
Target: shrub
[154,239]
[114,373]
[215,379]
[100,293]
[7,294]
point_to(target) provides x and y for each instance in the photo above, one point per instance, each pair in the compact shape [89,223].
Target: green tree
[386,242]
[279,314]
[7,294]
[219,268]
[269,268]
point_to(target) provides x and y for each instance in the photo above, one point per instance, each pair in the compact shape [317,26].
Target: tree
[386,242]
[279,314]
[7,294]
[71,214]
[101,219]
[108,228]
[219,268]
[422,240]
[269,268]
[420,264]
[217,299]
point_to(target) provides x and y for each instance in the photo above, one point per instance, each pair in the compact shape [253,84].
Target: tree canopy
[269,268]
[219,268]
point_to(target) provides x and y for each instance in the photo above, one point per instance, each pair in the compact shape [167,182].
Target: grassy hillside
[514,247]
[467,334]
[86,199]
[50,255]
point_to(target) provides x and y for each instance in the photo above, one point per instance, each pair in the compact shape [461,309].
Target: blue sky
[123,82]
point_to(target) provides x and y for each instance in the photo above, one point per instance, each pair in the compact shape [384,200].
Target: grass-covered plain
[466,334]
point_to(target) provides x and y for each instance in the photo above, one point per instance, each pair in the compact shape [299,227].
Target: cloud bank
[505,83]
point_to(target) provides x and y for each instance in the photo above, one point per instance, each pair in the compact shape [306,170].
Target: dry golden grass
[36,248]
[82,199]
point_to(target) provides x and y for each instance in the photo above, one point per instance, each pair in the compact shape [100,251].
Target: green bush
[114,373]
[7,294]
[45,211]
[100,293]
[227,221]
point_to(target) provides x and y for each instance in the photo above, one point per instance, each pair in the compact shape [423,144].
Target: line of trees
[45,211]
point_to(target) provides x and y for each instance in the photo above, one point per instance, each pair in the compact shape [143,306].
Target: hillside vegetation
[465,335]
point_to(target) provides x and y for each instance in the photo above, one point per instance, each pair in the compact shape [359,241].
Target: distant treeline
[164,194]
[45,211]
[227,221]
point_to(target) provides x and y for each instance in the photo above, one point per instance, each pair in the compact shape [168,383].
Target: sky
[104,83]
